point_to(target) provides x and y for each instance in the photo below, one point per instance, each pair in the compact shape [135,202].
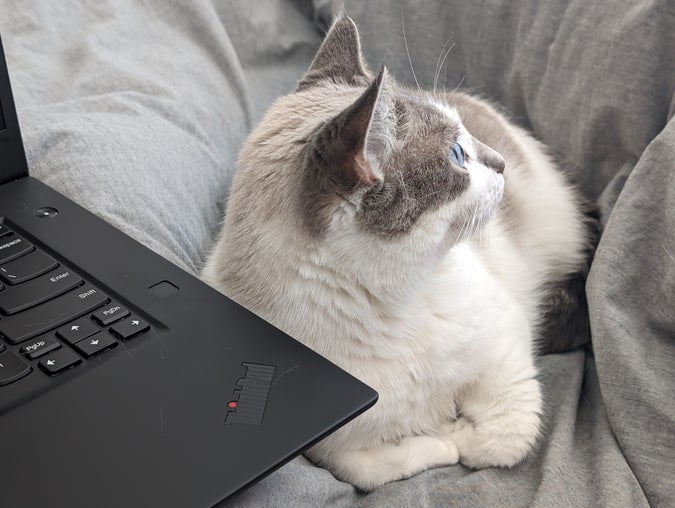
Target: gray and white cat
[368,221]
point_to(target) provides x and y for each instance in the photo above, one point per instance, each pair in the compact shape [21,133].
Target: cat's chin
[467,215]
[495,194]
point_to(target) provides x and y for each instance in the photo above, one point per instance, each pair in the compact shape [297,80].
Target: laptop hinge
[12,156]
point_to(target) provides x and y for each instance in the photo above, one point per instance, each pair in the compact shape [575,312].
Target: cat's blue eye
[457,155]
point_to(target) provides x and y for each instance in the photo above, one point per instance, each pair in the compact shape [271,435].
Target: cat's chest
[447,331]
[462,303]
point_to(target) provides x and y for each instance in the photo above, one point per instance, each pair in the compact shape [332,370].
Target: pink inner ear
[363,168]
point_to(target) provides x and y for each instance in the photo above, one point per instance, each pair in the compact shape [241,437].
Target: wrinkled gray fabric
[136,110]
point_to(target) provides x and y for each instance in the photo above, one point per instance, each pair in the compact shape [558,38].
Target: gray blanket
[137,109]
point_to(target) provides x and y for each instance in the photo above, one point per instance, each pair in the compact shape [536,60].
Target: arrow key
[95,344]
[77,330]
[58,361]
[129,327]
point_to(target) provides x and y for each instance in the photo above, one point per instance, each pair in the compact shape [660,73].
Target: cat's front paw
[482,446]
[369,468]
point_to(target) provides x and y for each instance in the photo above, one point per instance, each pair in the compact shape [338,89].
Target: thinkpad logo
[250,396]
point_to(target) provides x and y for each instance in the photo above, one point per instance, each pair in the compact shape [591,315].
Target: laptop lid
[12,156]
[209,399]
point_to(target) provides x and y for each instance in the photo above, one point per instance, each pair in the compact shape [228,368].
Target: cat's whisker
[475,222]
[461,231]
[437,71]
[442,64]
[466,227]
[405,41]
[470,238]
[458,84]
[482,222]
[474,228]
[469,220]
[468,233]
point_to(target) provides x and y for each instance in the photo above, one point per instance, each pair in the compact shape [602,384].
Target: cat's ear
[339,57]
[354,144]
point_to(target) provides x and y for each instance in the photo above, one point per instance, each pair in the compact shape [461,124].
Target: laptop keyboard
[51,318]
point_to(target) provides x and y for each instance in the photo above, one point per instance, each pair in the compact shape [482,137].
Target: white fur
[439,321]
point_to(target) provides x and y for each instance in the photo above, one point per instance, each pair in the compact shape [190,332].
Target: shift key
[36,291]
[52,314]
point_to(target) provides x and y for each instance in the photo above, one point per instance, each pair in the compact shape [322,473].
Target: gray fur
[339,58]
[344,138]
[413,139]
[396,130]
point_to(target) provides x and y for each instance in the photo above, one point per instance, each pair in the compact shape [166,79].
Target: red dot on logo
[232,404]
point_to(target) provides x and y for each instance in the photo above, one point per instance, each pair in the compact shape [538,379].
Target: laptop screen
[12,157]
[2,118]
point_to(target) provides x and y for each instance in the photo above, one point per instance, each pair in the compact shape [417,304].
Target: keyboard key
[13,246]
[40,346]
[47,316]
[77,330]
[12,368]
[2,347]
[58,361]
[4,231]
[95,344]
[27,267]
[129,328]
[36,291]
[110,314]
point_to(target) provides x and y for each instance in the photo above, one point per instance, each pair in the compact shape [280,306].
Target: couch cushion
[137,110]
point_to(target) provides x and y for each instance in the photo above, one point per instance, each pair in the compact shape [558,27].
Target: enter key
[36,291]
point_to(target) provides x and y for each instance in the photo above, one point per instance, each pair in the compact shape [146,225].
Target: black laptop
[125,381]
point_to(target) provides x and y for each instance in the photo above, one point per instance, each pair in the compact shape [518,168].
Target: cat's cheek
[485,190]
[498,189]
[494,193]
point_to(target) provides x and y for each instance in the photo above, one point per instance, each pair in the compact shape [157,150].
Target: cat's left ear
[354,145]
[339,58]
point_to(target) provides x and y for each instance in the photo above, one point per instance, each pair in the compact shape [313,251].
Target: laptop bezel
[13,163]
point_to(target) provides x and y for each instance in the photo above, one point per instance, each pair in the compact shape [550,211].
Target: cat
[411,239]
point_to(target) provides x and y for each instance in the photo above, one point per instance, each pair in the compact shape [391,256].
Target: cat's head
[395,153]
[373,162]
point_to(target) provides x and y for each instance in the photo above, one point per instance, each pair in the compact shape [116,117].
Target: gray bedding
[137,110]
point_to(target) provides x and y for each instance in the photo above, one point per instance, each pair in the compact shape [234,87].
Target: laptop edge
[150,423]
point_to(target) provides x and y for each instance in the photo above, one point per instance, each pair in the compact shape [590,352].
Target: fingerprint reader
[163,289]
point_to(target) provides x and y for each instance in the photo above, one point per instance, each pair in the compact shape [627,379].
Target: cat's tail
[565,323]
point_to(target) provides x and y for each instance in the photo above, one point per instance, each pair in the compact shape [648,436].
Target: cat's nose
[498,163]
[493,160]
[489,157]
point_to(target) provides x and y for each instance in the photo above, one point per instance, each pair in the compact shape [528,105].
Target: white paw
[369,468]
[452,452]
[482,446]
[432,451]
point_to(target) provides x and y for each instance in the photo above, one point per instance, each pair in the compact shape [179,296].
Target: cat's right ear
[339,58]
[352,147]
